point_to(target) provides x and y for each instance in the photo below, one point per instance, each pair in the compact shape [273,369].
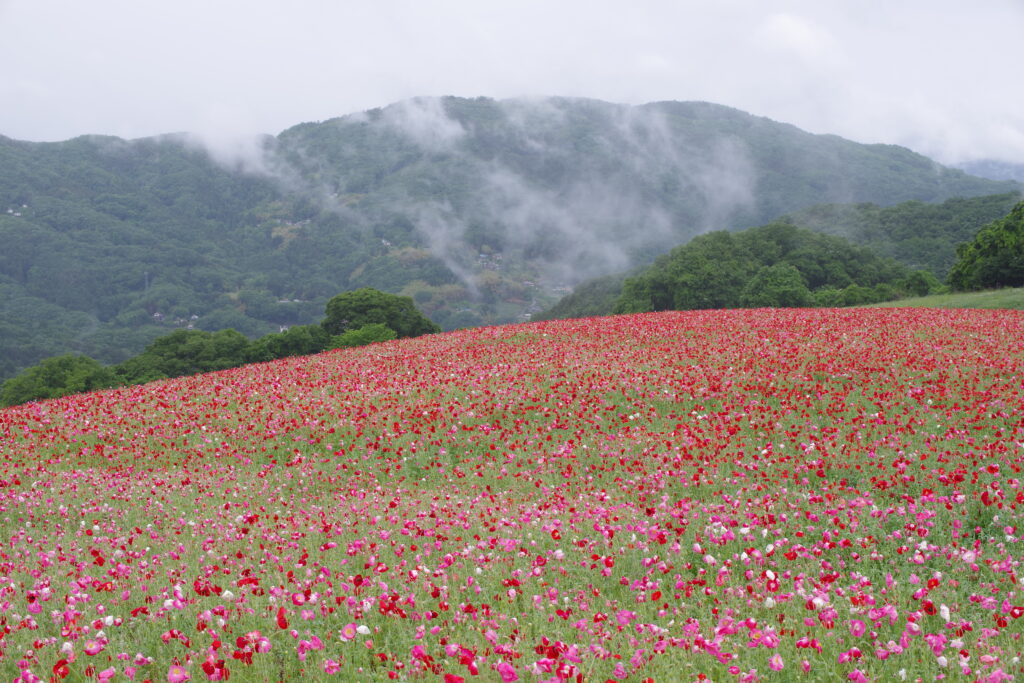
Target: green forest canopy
[371,316]
[994,258]
[921,236]
[777,264]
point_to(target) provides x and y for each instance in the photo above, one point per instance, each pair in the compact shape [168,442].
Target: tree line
[994,258]
[919,235]
[785,265]
[355,318]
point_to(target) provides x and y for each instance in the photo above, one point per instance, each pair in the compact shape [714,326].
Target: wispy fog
[577,188]
[938,76]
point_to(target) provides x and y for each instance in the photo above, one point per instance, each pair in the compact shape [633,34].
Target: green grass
[1012,298]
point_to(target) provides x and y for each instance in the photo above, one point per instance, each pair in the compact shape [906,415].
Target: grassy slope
[593,497]
[1012,298]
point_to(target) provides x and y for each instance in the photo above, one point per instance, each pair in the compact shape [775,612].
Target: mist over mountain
[916,235]
[581,187]
[483,211]
[993,169]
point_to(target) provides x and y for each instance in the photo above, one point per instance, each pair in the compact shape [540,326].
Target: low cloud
[246,153]
[423,120]
[799,36]
[574,188]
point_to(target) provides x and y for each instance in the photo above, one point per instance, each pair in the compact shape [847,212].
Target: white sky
[942,77]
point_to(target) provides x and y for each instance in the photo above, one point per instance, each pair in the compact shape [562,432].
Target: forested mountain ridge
[100,235]
[774,265]
[919,236]
[481,210]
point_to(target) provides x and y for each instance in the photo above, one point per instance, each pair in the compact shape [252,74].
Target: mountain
[483,211]
[106,243]
[994,170]
[917,235]
[778,265]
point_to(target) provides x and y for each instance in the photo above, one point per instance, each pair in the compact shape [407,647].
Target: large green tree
[708,272]
[778,264]
[361,307]
[185,352]
[994,258]
[300,340]
[54,377]
[367,334]
[778,286]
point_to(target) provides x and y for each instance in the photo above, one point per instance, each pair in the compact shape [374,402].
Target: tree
[856,295]
[361,307]
[301,340]
[708,272]
[921,283]
[186,352]
[55,377]
[778,286]
[828,297]
[367,334]
[139,369]
[994,258]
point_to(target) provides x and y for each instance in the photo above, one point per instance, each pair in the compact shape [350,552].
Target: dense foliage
[361,336]
[361,307]
[55,377]
[775,265]
[743,495]
[994,258]
[918,235]
[364,317]
[185,352]
[921,236]
[481,211]
[591,298]
[300,340]
[780,285]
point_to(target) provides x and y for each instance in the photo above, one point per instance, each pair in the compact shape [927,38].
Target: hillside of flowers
[696,496]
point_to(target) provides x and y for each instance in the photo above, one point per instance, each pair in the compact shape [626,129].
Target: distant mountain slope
[582,187]
[994,170]
[917,235]
[775,265]
[481,210]
[100,235]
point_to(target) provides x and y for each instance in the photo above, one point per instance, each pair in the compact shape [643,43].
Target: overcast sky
[943,77]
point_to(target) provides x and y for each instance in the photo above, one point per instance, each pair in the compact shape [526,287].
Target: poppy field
[739,495]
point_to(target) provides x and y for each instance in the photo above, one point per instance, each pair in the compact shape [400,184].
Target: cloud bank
[939,76]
